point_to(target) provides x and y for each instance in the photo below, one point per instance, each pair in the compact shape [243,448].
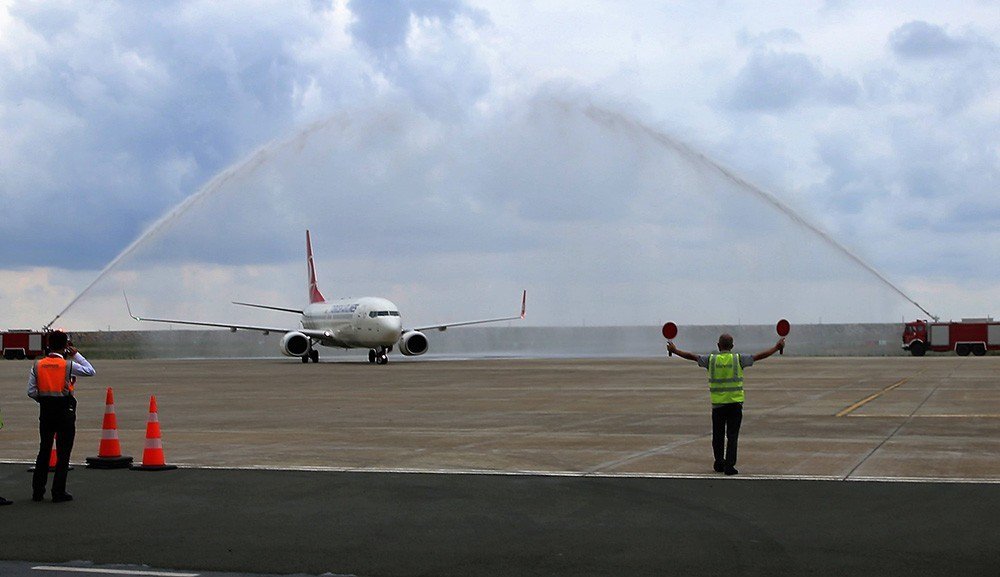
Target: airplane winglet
[524,301]
[128,307]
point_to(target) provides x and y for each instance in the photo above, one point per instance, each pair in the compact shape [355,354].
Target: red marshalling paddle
[669,332]
[783,328]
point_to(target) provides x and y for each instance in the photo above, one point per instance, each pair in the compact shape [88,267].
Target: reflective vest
[725,378]
[54,377]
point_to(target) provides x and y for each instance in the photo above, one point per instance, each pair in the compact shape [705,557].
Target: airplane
[373,323]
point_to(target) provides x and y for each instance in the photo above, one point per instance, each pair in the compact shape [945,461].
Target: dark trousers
[726,421]
[56,419]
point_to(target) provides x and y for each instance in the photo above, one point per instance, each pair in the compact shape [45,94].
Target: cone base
[109,462]
[153,467]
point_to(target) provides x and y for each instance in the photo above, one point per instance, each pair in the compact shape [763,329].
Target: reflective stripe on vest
[725,378]
[54,377]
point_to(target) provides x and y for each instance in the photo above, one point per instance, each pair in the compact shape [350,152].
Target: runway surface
[575,467]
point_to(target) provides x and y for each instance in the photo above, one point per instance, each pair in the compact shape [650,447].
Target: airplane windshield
[374,314]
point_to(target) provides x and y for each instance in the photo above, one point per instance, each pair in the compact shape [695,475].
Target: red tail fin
[314,295]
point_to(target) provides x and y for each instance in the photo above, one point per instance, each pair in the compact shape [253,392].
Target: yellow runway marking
[870,398]
[931,416]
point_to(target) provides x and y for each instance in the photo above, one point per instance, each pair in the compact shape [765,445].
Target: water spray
[608,118]
[235,171]
[596,114]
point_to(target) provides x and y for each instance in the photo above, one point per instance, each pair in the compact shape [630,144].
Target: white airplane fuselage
[368,322]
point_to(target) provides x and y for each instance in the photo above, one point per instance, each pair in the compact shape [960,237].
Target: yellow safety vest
[725,378]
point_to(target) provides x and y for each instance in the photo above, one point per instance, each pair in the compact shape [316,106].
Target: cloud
[778,81]
[384,26]
[122,111]
[421,48]
[422,137]
[922,40]
[745,39]
[952,73]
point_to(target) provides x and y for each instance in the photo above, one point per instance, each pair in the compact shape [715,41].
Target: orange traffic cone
[109,454]
[152,455]
[53,458]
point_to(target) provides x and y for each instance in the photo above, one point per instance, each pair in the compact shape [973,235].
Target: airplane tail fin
[314,295]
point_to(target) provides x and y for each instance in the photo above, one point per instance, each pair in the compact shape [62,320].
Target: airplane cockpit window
[374,314]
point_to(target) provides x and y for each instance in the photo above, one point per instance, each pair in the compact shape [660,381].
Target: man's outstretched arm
[682,354]
[780,345]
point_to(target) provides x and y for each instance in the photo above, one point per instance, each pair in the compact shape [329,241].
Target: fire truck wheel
[20,355]
[963,350]
[917,349]
[979,350]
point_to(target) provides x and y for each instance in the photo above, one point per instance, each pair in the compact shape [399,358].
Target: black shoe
[719,466]
[62,498]
[37,496]
[729,471]
[5,501]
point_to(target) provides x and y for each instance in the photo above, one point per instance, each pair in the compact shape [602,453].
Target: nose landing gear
[378,356]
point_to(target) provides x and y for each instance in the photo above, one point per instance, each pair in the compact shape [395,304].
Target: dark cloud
[129,109]
[125,111]
[921,40]
[778,81]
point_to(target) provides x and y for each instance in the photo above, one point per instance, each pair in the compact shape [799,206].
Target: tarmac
[524,467]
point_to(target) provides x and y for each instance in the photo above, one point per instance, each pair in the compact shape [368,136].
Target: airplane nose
[392,324]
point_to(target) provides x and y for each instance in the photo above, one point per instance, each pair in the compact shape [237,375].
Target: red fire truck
[23,343]
[974,336]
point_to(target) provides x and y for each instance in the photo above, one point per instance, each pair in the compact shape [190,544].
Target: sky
[626,163]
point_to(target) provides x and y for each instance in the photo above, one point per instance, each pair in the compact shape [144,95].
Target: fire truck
[975,336]
[23,343]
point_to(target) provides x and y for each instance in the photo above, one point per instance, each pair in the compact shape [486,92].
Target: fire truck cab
[968,336]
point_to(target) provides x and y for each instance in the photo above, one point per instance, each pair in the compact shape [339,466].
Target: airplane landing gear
[312,355]
[378,357]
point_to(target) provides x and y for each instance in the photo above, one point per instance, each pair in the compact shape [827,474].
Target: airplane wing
[232,327]
[269,307]
[445,326]
[326,336]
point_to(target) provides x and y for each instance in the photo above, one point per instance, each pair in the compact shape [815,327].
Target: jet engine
[413,343]
[294,344]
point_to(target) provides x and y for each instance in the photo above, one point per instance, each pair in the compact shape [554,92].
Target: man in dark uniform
[725,383]
[50,383]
